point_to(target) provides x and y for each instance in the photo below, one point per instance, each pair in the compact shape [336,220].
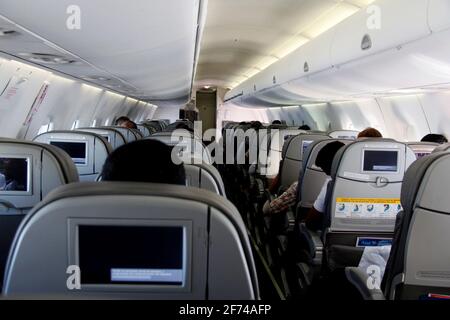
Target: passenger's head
[183,125]
[119,121]
[256,125]
[326,155]
[276,122]
[143,161]
[129,124]
[304,127]
[436,138]
[370,133]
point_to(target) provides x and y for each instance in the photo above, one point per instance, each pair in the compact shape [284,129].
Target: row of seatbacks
[50,167]
[362,201]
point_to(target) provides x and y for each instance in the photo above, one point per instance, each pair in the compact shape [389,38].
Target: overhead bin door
[401,21]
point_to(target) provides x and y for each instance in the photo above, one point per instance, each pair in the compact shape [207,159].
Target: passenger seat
[196,246]
[87,150]
[363,197]
[204,176]
[45,168]
[418,267]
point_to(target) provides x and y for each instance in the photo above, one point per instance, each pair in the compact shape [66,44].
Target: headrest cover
[349,161]
[298,144]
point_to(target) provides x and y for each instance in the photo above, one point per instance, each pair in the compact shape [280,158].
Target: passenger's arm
[283,202]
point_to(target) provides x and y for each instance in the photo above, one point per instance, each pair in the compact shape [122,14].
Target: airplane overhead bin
[391,45]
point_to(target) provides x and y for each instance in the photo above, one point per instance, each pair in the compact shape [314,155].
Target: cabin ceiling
[146,48]
[243,37]
[141,48]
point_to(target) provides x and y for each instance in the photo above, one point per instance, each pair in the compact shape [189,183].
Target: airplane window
[76,150]
[380,161]
[43,129]
[75,124]
[132,255]
[14,174]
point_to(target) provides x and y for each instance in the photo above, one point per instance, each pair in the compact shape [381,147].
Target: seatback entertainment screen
[77,150]
[14,174]
[380,161]
[305,145]
[151,255]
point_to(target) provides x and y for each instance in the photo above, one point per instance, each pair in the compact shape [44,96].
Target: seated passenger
[121,120]
[323,160]
[256,125]
[289,197]
[183,126]
[276,122]
[436,138]
[129,124]
[305,127]
[370,133]
[143,161]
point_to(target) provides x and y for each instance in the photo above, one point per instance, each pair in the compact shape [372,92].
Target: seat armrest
[318,245]
[317,239]
[313,244]
[360,280]
[290,215]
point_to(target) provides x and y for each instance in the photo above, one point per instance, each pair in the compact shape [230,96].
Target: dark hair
[326,155]
[256,125]
[304,127]
[276,122]
[120,120]
[143,161]
[370,133]
[183,125]
[131,124]
[437,138]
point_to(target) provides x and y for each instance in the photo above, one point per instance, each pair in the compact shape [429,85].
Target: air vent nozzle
[46,58]
[366,42]
[8,32]
[306,67]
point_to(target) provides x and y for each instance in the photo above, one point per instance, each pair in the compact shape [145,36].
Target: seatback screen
[76,150]
[380,161]
[131,255]
[14,174]
[305,145]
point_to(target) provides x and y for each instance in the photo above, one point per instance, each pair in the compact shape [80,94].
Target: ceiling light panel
[257,33]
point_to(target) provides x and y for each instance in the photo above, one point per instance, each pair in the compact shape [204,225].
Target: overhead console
[389,46]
